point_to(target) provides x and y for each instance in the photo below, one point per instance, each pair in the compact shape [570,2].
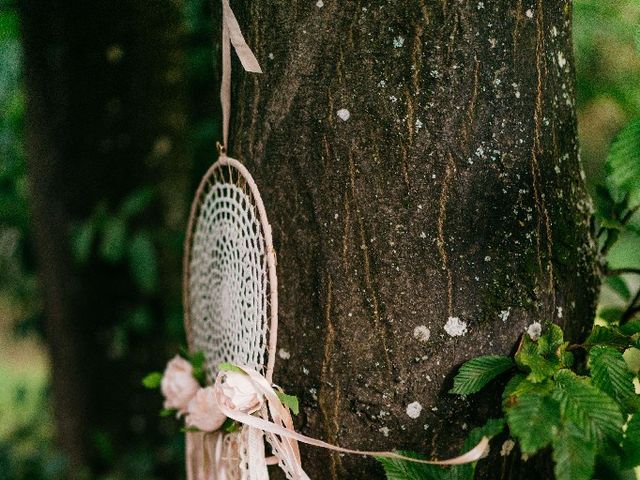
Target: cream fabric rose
[240,394]
[203,412]
[178,385]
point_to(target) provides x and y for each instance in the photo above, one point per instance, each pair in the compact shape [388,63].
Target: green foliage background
[607,56]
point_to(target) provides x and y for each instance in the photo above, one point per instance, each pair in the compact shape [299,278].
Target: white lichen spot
[384,431]
[283,354]
[393,99]
[414,409]
[480,5]
[559,312]
[344,114]
[554,31]
[270,56]
[455,327]
[423,235]
[487,258]
[493,42]
[504,314]
[305,370]
[507,446]
[529,13]
[561,60]
[419,125]
[398,42]
[534,330]
[422,333]
[382,83]
[557,169]
[319,4]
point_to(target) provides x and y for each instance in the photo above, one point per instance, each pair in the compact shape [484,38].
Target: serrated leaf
[622,167]
[403,470]
[631,443]
[550,341]
[476,373]
[529,359]
[519,385]
[290,401]
[583,405]
[533,420]
[610,374]
[607,336]
[574,455]
[152,380]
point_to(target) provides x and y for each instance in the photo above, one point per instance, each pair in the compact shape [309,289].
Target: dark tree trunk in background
[105,111]
[452,190]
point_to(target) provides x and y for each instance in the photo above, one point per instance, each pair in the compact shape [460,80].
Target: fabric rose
[178,385]
[203,412]
[239,393]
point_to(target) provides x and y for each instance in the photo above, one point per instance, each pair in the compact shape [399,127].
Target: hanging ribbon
[284,438]
[232,35]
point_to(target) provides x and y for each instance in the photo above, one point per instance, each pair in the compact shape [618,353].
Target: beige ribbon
[284,438]
[232,35]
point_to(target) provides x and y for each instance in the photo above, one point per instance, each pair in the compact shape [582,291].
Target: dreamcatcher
[231,316]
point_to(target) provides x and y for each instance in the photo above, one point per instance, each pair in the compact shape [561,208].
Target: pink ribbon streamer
[284,438]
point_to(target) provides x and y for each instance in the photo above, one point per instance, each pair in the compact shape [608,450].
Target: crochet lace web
[227,294]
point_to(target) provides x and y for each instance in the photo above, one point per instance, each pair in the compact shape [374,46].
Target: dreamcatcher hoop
[245,284]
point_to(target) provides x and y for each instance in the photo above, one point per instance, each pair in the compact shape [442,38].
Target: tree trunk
[104,113]
[450,194]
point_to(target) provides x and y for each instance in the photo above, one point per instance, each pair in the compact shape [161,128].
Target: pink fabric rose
[239,393]
[178,385]
[203,412]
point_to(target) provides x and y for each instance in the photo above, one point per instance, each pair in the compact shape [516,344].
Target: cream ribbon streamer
[232,35]
[284,438]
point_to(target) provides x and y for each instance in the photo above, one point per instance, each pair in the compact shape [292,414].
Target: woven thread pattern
[228,284]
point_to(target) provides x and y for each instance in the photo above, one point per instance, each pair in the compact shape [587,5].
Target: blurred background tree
[113,158]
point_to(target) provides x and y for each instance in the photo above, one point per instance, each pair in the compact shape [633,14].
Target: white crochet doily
[230,285]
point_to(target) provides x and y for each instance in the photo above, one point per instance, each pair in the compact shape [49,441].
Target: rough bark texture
[453,190]
[104,112]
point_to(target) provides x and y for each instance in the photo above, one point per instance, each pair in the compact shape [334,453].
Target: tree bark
[453,190]
[105,114]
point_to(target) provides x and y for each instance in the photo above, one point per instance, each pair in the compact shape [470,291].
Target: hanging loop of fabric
[232,35]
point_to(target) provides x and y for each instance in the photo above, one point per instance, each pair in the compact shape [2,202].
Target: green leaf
[136,202]
[550,341]
[230,425]
[290,401]
[630,328]
[114,234]
[622,167]
[230,367]
[152,380]
[528,358]
[167,412]
[631,443]
[610,314]
[476,373]
[591,410]
[143,262]
[607,336]
[403,470]
[82,241]
[574,455]
[533,420]
[619,285]
[493,427]
[610,374]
